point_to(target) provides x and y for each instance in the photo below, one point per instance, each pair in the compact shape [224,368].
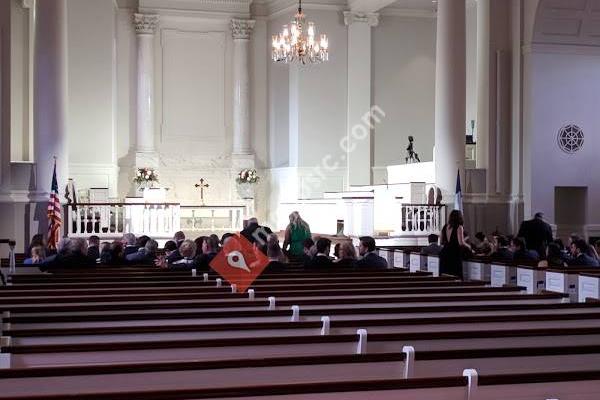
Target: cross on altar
[202,185]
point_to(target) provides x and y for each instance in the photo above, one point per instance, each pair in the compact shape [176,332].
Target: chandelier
[294,45]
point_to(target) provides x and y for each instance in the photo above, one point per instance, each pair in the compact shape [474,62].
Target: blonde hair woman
[296,233]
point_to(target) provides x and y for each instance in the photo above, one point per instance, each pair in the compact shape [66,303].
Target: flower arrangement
[144,176]
[247,175]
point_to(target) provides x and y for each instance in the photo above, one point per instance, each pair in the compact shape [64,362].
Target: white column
[241,30]
[483,82]
[145,27]
[359,143]
[50,93]
[450,93]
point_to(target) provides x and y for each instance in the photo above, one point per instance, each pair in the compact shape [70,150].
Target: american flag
[54,213]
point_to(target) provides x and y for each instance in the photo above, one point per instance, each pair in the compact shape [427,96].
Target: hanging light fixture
[297,44]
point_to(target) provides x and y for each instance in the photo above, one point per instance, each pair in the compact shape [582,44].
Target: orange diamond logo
[239,262]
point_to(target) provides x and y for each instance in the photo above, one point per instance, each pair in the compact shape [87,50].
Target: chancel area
[299,199]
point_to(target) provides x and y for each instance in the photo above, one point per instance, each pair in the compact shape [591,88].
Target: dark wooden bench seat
[237,303]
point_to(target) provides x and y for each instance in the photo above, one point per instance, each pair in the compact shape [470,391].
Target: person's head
[216,240]
[128,239]
[578,247]
[553,251]
[559,243]
[518,244]
[116,250]
[38,252]
[367,245]
[410,138]
[93,241]
[187,249]
[455,219]
[179,236]
[480,236]
[336,250]
[573,238]
[347,251]
[170,246]
[323,246]
[104,246]
[273,249]
[308,243]
[199,243]
[63,245]
[297,221]
[252,221]
[142,240]
[225,238]
[151,247]
[539,215]
[77,246]
[433,238]
[37,240]
[210,245]
[502,241]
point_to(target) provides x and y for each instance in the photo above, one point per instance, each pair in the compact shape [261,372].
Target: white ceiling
[568,22]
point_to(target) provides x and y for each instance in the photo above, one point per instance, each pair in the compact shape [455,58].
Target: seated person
[275,254]
[321,260]
[71,254]
[554,257]
[481,245]
[502,253]
[178,238]
[521,253]
[172,251]
[210,247]
[145,255]
[580,255]
[38,255]
[129,244]
[308,244]
[369,259]
[112,254]
[346,257]
[93,251]
[434,248]
[187,249]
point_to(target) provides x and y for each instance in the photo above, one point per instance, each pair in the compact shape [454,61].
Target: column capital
[145,23]
[242,28]
[350,17]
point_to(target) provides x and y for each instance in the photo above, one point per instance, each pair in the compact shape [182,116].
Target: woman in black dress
[454,245]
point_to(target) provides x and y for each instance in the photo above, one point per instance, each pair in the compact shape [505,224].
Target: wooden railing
[108,220]
[421,219]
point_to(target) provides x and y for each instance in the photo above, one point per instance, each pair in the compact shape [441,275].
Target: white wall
[565,89]
[91,83]
[471,28]
[404,87]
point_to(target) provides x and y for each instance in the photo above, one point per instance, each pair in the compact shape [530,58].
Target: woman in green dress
[295,234]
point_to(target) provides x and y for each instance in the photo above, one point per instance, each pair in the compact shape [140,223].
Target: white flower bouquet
[144,176]
[247,175]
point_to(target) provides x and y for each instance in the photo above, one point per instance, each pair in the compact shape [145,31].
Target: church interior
[299,199]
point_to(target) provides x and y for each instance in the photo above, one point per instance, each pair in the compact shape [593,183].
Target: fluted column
[145,27]
[50,93]
[450,94]
[241,30]
[359,144]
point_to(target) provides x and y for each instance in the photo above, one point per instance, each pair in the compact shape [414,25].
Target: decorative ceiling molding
[241,7]
[568,22]
[407,13]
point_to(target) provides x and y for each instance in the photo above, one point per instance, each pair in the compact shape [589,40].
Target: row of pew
[142,333]
[580,283]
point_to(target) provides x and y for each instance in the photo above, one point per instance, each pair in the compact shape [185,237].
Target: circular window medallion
[570,138]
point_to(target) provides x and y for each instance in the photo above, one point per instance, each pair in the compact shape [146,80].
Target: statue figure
[411,156]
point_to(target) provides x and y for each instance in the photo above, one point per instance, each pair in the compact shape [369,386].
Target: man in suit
[502,253]
[129,245]
[537,234]
[256,233]
[175,255]
[518,246]
[579,250]
[93,251]
[369,259]
[434,248]
[321,260]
